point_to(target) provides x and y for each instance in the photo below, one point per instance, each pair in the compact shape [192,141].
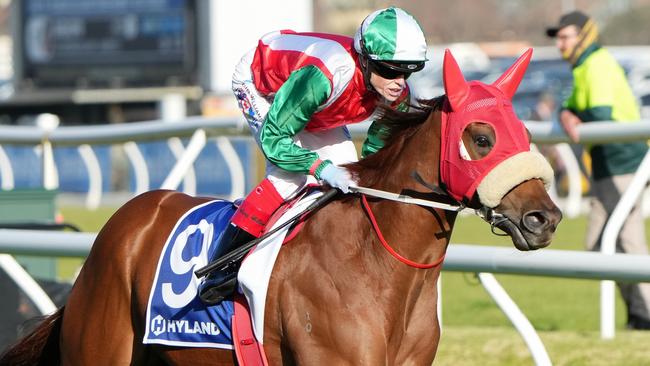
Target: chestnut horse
[336,295]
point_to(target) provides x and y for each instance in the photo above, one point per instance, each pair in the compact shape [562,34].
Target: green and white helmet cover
[392,35]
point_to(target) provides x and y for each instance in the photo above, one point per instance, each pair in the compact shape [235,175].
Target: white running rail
[27,284]
[201,128]
[237,176]
[6,173]
[94,196]
[608,243]
[139,167]
[517,318]
[185,161]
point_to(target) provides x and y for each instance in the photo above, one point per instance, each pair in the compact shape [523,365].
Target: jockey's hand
[337,177]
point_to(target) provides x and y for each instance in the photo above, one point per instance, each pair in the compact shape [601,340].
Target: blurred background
[113,63]
[106,62]
[110,62]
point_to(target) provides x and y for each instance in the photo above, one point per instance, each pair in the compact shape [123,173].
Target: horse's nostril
[535,221]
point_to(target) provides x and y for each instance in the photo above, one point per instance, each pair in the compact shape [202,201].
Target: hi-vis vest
[601,93]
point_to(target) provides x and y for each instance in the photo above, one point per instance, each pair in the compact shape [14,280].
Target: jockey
[297,92]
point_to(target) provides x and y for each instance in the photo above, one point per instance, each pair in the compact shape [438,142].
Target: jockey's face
[390,89]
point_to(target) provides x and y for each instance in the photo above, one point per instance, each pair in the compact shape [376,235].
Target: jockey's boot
[248,223]
[221,283]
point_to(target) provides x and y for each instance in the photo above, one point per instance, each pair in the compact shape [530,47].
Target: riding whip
[240,252]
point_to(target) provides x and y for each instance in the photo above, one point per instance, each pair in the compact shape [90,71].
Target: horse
[336,295]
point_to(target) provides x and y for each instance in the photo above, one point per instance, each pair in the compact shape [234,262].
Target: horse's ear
[456,87]
[509,81]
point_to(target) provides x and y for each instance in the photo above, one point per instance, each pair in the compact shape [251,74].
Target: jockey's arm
[293,106]
[375,140]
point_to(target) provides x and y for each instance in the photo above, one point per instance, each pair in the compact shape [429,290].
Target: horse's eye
[482,141]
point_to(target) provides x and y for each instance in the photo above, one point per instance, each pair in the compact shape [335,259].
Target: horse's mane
[400,126]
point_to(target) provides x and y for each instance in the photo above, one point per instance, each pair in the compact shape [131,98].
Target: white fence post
[608,244]
[517,318]
[139,166]
[196,144]
[237,176]
[27,284]
[189,179]
[439,304]
[6,172]
[94,196]
[48,123]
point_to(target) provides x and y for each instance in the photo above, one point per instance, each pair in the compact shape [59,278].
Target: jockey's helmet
[391,39]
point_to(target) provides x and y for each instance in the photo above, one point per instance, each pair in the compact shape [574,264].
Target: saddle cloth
[175,314]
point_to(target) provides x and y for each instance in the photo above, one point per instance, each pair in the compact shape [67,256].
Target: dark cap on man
[577,18]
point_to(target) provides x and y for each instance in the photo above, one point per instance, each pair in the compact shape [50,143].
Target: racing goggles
[393,70]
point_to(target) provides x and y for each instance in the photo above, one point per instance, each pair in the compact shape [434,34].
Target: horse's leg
[294,325]
[420,344]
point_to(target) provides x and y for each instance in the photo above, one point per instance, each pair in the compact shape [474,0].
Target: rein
[402,199]
[406,199]
[487,214]
[392,251]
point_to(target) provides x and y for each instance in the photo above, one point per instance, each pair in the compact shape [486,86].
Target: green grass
[500,346]
[476,332]
[565,311]
[550,303]
[88,221]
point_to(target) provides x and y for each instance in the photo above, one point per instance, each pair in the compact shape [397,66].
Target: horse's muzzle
[538,222]
[535,229]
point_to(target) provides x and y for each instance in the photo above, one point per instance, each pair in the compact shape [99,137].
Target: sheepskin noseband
[510,173]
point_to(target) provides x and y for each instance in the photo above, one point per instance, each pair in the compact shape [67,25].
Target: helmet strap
[364,61]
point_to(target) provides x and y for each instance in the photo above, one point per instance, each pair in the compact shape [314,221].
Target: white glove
[337,177]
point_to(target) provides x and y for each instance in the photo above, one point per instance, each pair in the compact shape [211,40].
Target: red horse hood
[510,161]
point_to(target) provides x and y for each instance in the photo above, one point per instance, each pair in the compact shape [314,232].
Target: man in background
[601,93]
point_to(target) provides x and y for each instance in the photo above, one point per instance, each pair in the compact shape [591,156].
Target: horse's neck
[417,233]
[420,152]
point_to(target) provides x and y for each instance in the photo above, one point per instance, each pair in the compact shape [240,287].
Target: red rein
[392,251]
